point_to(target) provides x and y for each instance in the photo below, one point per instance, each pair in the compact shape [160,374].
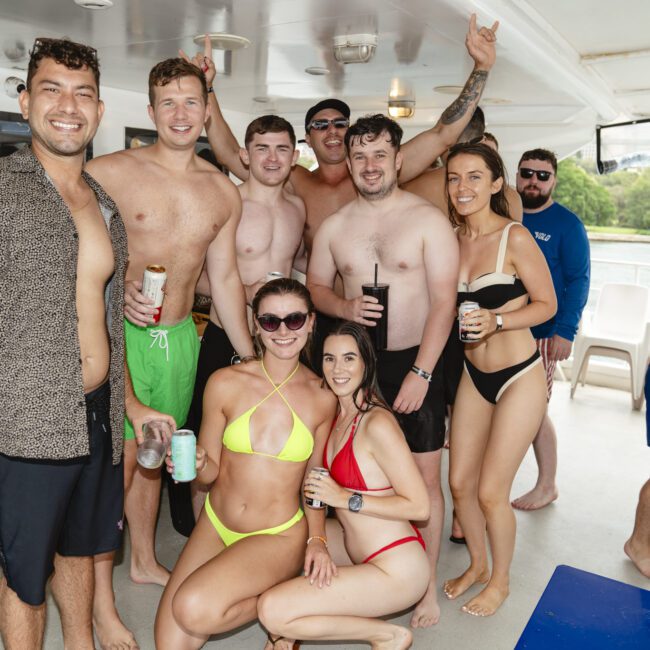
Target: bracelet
[210,89]
[322,539]
[422,373]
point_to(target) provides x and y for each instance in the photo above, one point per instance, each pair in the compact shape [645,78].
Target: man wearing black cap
[329,187]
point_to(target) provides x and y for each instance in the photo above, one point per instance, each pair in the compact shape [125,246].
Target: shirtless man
[329,187]
[179,211]
[269,238]
[63,380]
[415,249]
[431,184]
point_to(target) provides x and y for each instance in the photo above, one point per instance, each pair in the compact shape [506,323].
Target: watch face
[355,502]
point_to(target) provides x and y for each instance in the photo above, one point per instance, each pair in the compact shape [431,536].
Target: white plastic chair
[619,328]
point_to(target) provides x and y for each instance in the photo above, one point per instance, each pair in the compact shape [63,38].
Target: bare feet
[487,602]
[456,530]
[155,575]
[537,498]
[458,586]
[398,639]
[641,560]
[427,611]
[111,632]
[278,643]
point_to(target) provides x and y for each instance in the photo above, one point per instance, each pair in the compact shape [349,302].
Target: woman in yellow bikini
[262,420]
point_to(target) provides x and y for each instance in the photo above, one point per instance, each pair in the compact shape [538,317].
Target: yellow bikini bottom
[230,536]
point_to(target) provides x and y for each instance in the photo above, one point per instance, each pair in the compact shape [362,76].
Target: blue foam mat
[581,610]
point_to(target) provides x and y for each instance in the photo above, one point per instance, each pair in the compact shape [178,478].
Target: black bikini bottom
[491,385]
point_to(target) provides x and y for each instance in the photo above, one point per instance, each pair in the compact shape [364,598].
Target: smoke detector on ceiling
[354,48]
[94,4]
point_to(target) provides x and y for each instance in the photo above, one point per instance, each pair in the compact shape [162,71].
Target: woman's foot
[487,602]
[427,611]
[399,638]
[111,633]
[458,586]
[277,642]
[457,536]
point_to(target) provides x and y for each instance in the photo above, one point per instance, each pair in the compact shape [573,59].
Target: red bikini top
[345,469]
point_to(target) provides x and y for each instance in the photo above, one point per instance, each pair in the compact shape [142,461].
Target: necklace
[85,205]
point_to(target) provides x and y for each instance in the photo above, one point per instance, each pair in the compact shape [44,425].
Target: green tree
[582,194]
[637,201]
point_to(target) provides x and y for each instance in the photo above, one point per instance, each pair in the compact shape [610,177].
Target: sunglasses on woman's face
[270,322]
[526,172]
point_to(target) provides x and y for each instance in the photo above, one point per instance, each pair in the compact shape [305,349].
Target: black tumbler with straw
[378,333]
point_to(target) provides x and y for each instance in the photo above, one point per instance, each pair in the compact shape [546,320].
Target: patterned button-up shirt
[42,405]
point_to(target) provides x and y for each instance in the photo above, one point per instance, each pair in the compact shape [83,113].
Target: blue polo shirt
[563,240]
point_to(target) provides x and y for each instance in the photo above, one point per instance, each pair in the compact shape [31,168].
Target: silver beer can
[184,455]
[153,284]
[465,308]
[315,503]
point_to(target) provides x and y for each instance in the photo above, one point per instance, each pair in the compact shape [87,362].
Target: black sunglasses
[527,172]
[270,322]
[337,123]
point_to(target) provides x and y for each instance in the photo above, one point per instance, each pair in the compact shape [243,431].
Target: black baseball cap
[336,104]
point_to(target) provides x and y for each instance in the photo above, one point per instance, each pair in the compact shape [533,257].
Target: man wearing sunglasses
[563,240]
[63,380]
[416,253]
[329,187]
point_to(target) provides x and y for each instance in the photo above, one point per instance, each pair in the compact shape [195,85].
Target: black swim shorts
[73,507]
[216,352]
[424,429]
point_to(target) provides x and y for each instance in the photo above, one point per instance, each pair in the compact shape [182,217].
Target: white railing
[624,272]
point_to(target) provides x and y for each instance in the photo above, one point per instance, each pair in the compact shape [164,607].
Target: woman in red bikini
[376,488]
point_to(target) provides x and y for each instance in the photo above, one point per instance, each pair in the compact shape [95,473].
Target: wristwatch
[499,322]
[355,502]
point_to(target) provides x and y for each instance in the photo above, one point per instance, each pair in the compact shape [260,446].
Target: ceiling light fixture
[401,108]
[223,41]
[94,4]
[354,48]
[448,90]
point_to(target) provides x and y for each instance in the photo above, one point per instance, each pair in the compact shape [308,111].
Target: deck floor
[603,461]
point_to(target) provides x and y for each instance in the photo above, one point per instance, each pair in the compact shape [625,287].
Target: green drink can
[184,455]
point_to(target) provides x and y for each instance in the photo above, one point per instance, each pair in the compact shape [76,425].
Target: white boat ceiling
[563,66]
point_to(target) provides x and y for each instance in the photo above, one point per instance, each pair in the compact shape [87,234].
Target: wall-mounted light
[354,48]
[401,108]
[14,86]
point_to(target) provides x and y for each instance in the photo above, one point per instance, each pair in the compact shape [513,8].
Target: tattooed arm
[420,152]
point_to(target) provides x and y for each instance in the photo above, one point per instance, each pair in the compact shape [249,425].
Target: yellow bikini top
[299,445]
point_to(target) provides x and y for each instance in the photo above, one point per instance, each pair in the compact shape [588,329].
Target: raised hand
[203,60]
[481,43]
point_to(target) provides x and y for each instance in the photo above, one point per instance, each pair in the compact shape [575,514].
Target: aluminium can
[184,455]
[465,308]
[153,284]
[315,503]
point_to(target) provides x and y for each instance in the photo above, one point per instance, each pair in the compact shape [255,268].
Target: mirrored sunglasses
[337,123]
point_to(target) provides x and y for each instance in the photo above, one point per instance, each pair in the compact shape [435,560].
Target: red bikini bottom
[398,542]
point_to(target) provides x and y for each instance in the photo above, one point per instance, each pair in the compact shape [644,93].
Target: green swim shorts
[162,363]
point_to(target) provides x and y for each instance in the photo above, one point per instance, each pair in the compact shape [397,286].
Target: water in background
[601,273]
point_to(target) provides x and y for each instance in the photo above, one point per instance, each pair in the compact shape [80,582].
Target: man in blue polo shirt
[563,240]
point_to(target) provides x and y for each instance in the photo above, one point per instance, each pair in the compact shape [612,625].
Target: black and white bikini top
[493,290]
